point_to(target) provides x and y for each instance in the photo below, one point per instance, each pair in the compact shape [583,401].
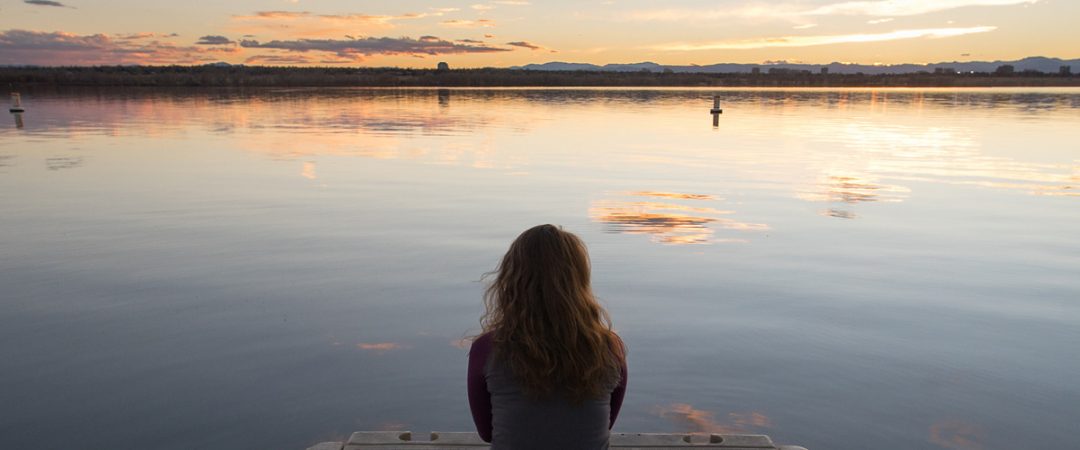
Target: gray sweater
[509,419]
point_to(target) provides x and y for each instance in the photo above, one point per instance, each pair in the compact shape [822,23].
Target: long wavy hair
[546,325]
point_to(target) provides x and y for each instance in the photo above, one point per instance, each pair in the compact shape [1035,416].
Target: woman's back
[548,372]
[520,422]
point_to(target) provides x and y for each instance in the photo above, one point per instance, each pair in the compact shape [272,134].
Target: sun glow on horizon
[508,33]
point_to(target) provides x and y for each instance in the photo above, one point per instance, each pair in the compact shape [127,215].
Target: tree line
[264,76]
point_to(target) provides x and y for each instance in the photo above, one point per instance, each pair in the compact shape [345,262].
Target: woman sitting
[547,372]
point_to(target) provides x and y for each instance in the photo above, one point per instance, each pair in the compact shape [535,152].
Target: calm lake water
[839,269]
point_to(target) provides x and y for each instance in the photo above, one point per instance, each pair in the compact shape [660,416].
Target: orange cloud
[809,41]
[47,48]
[357,49]
[524,44]
[460,23]
[304,24]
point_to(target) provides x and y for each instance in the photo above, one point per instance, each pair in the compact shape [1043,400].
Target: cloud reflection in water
[700,421]
[957,435]
[380,347]
[63,162]
[668,223]
[850,190]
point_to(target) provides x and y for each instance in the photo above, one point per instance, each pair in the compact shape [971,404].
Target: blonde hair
[546,324]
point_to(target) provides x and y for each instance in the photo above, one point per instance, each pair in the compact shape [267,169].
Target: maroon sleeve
[479,397]
[617,395]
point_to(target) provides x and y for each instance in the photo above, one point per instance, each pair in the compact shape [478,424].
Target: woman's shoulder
[482,342]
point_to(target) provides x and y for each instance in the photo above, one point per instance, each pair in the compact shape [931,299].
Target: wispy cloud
[305,24]
[906,7]
[524,44]
[214,40]
[808,41]
[134,36]
[356,49]
[58,47]
[279,60]
[461,23]
[46,3]
[794,11]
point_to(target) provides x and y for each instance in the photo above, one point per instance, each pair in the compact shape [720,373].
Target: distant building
[824,70]
[1005,70]
[755,71]
[944,71]
[443,67]
[1065,70]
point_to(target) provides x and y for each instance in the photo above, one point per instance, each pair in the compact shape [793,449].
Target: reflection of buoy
[16,103]
[716,105]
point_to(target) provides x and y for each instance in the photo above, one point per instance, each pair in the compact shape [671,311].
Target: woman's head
[546,323]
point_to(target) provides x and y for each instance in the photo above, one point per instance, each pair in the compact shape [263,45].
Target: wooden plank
[390,440]
[742,440]
[361,438]
[457,438]
[677,440]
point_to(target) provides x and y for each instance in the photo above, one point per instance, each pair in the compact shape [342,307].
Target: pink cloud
[58,47]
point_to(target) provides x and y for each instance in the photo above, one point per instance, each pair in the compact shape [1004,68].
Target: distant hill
[1036,63]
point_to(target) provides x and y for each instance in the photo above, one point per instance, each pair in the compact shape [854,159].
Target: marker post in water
[716,111]
[16,103]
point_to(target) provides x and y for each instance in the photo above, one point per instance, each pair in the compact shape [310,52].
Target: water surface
[838,269]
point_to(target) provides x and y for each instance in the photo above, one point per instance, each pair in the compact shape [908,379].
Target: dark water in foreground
[839,269]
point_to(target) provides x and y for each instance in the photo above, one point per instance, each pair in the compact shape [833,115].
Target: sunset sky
[504,33]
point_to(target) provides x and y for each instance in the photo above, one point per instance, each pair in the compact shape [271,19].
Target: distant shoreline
[256,76]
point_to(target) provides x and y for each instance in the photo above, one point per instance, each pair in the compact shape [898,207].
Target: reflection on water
[851,190]
[839,213]
[380,347]
[668,223]
[198,219]
[392,426]
[308,170]
[674,195]
[957,435]
[63,162]
[444,98]
[700,421]
[949,155]
[18,120]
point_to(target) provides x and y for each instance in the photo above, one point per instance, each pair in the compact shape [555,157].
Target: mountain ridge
[1036,63]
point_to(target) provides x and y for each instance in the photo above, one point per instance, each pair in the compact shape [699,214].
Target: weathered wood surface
[394,440]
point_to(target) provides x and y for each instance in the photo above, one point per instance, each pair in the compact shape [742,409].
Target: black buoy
[716,105]
[16,103]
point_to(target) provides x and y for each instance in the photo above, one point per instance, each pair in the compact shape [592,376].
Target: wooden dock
[404,440]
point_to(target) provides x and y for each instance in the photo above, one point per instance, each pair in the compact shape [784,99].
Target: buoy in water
[16,103]
[716,105]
